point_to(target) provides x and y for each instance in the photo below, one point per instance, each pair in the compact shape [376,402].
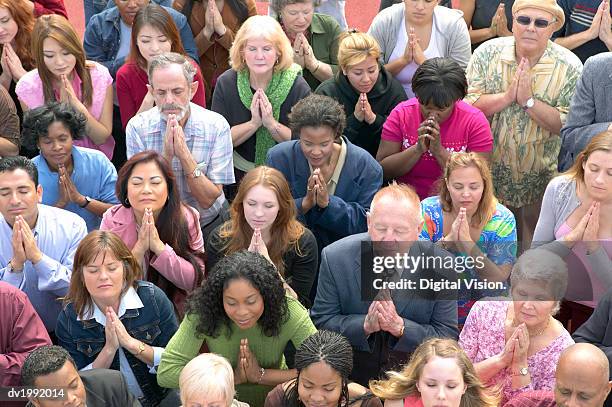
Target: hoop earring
[126,201]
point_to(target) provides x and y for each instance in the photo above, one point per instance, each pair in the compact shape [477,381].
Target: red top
[21,331]
[132,88]
[49,7]
[413,401]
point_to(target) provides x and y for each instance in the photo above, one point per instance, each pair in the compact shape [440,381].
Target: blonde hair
[355,47]
[601,142]
[261,27]
[207,375]
[488,202]
[404,383]
[57,27]
[398,192]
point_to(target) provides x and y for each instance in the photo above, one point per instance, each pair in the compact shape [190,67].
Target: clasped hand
[519,90]
[247,369]
[148,237]
[68,192]
[23,244]
[413,50]
[316,192]
[382,316]
[429,136]
[587,230]
[363,110]
[116,335]
[261,111]
[174,141]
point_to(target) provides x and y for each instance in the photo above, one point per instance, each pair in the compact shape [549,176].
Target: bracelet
[402,331]
[262,372]
[317,68]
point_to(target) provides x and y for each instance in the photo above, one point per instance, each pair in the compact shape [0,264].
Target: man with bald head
[582,377]
[385,331]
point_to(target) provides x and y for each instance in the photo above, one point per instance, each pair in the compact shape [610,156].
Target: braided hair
[322,346]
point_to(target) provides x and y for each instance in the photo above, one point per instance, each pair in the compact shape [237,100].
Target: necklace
[541,331]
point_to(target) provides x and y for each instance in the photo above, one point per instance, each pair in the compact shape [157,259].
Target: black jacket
[384,96]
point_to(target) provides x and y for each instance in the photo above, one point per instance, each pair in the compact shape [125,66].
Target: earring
[126,201]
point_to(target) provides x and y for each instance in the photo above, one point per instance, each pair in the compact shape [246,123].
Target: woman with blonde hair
[467,219]
[439,371]
[113,321]
[364,88]
[263,219]
[208,379]
[257,94]
[64,75]
[576,223]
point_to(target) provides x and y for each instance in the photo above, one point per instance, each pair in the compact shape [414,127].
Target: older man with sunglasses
[524,84]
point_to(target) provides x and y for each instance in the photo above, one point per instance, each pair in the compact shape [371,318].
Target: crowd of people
[203,206]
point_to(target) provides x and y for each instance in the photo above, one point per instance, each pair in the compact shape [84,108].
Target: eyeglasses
[538,22]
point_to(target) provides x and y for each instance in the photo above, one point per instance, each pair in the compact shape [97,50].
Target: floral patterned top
[483,336]
[497,240]
[525,154]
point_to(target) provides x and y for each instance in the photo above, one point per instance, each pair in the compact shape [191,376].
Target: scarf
[277,92]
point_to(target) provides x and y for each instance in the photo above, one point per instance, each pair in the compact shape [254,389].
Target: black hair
[440,81]
[36,122]
[43,361]
[239,7]
[10,164]
[322,346]
[316,111]
[206,301]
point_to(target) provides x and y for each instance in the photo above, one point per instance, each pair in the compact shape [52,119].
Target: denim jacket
[103,37]
[154,325]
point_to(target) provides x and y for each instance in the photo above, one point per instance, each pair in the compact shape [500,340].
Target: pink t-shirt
[29,89]
[466,129]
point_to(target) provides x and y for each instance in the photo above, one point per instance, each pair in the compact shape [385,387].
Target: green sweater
[186,344]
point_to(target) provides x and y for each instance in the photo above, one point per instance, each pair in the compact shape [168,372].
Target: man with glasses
[524,84]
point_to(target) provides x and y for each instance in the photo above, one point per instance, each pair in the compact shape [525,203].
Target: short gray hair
[169,58]
[207,375]
[278,5]
[543,266]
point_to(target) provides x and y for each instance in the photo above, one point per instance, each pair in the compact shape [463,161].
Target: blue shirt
[57,234]
[93,176]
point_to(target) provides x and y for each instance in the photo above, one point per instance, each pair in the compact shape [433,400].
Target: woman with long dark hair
[63,74]
[153,32]
[163,233]
[324,362]
[214,24]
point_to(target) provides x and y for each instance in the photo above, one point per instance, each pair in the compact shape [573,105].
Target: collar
[130,300]
[316,25]
[508,55]
[112,15]
[123,215]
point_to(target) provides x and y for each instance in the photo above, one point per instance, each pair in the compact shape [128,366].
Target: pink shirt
[466,129]
[177,270]
[483,336]
[29,89]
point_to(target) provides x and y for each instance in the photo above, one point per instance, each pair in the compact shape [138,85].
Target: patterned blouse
[524,154]
[497,240]
[483,336]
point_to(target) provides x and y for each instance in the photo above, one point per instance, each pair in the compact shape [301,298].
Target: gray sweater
[560,200]
[590,111]
[450,27]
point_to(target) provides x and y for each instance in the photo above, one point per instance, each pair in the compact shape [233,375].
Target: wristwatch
[141,348]
[196,172]
[523,371]
[529,103]
[87,202]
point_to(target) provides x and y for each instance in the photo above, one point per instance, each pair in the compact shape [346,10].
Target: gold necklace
[541,331]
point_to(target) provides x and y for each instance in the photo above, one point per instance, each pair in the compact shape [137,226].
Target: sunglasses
[538,22]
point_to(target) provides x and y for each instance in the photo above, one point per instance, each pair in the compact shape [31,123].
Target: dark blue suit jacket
[339,307]
[360,179]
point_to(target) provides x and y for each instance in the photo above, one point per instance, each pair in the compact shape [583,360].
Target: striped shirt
[208,137]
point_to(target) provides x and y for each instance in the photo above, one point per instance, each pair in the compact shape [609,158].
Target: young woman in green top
[241,313]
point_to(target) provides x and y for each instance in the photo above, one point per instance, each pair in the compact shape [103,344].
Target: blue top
[93,176]
[57,234]
[345,215]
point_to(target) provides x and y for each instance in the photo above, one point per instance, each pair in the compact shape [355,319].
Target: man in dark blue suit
[385,331]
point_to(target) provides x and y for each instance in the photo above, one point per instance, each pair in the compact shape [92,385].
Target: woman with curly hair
[262,209]
[324,362]
[439,370]
[80,180]
[241,312]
